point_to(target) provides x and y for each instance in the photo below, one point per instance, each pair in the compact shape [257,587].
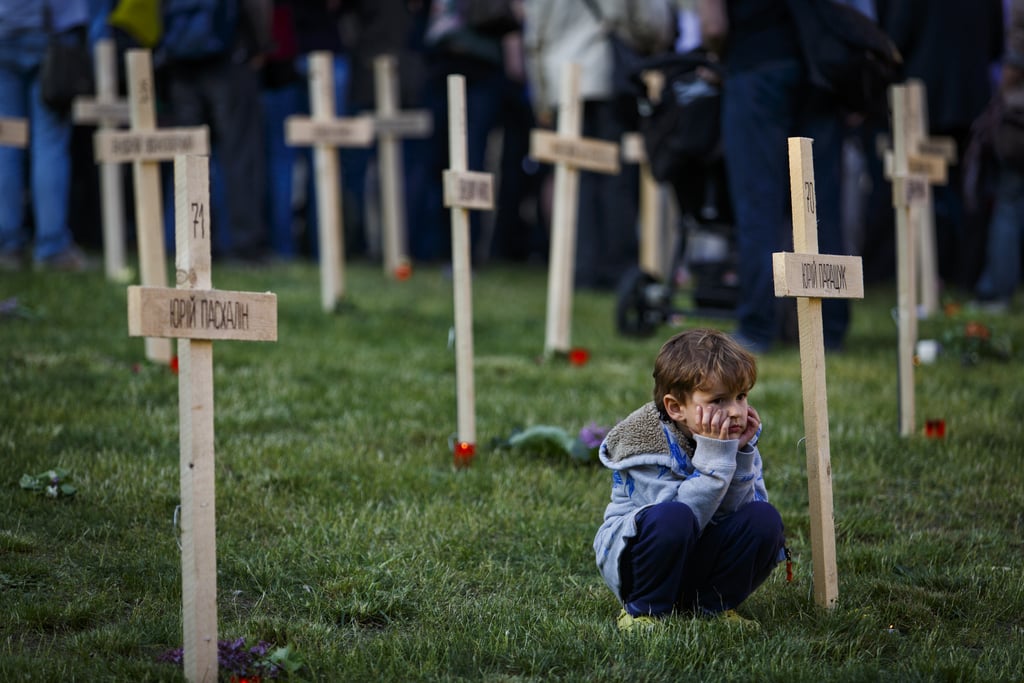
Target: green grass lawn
[345,532]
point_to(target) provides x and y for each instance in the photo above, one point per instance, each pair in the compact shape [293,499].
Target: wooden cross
[463,190]
[569,152]
[811,276]
[928,157]
[13,132]
[196,314]
[391,125]
[108,111]
[145,146]
[327,133]
[911,197]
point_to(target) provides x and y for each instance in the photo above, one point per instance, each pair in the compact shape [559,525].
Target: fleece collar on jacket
[644,433]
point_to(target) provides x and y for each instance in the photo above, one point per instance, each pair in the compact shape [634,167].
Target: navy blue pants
[671,566]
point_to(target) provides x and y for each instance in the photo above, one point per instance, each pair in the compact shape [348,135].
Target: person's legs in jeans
[13,96]
[1002,265]
[758,113]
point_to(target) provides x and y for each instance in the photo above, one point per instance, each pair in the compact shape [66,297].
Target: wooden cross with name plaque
[570,153]
[463,190]
[196,314]
[391,125]
[107,111]
[145,147]
[810,276]
[925,158]
[327,133]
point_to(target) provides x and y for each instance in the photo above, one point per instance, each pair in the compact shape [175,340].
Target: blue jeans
[50,167]
[1002,263]
[672,565]
[761,109]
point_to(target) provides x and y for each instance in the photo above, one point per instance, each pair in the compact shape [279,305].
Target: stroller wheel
[642,304]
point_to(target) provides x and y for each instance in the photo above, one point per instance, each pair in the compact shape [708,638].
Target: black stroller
[681,139]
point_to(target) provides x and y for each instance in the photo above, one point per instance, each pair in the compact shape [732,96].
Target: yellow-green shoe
[628,623]
[731,616]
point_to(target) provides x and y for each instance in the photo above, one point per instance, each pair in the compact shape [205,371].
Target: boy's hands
[714,423]
[753,424]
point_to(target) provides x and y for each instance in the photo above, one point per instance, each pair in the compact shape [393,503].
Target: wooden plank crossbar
[326,134]
[809,276]
[463,190]
[569,153]
[13,132]
[196,314]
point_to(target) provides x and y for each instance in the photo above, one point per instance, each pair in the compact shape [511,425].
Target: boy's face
[713,411]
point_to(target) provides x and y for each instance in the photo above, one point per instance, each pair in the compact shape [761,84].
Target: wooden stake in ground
[327,133]
[108,111]
[463,190]
[196,314]
[13,132]
[570,153]
[652,222]
[910,198]
[145,146]
[927,157]
[391,125]
[811,276]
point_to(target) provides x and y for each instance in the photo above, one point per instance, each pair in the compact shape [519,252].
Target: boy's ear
[674,408]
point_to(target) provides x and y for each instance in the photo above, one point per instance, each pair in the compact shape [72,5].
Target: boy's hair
[696,359]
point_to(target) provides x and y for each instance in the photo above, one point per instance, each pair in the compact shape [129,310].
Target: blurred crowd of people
[251,71]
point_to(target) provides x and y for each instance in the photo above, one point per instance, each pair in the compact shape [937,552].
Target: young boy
[689,527]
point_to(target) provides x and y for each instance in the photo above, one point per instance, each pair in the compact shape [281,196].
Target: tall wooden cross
[145,147]
[391,125]
[927,157]
[108,111]
[911,198]
[463,190]
[811,276]
[13,132]
[196,314]
[570,153]
[327,133]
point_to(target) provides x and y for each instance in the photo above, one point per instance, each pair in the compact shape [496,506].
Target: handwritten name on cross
[569,153]
[327,133]
[196,314]
[108,111]
[391,125]
[463,190]
[145,146]
[811,276]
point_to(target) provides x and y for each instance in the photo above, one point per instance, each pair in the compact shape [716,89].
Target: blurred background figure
[557,32]
[209,69]
[35,182]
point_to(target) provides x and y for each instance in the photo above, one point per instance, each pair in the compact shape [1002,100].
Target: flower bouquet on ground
[546,439]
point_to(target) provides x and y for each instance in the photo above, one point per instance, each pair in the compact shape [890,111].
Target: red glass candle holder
[579,356]
[464,452]
[935,429]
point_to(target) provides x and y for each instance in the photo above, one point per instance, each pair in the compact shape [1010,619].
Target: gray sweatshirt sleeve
[747,483]
[705,490]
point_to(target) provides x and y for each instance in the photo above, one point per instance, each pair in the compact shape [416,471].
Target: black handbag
[66,70]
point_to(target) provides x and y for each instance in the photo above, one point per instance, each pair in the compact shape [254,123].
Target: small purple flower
[593,434]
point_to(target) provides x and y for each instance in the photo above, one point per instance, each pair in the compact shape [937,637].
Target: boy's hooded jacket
[653,461]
